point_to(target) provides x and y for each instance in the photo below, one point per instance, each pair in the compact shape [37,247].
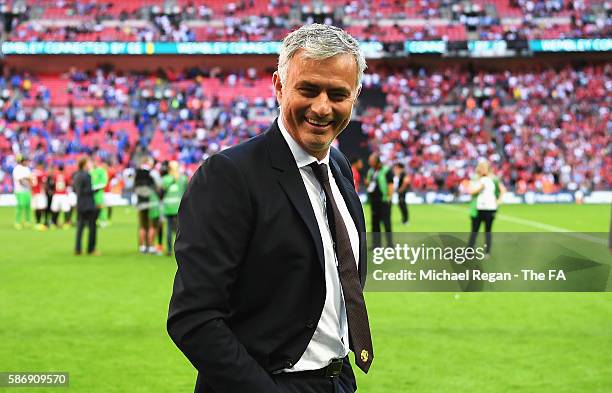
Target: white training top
[486,199]
[20,173]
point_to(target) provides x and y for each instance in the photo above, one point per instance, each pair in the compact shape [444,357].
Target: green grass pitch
[102,319]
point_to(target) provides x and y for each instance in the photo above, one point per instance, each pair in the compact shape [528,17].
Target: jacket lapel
[290,180]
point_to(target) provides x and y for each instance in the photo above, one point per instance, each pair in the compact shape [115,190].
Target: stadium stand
[543,129]
[256,20]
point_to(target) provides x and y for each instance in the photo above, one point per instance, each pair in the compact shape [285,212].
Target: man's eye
[338,97]
[307,91]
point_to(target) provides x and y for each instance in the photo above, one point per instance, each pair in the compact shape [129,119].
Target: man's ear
[278,86]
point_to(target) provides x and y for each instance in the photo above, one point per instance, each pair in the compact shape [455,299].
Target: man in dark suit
[86,207]
[268,295]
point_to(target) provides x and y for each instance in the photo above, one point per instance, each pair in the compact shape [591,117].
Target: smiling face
[317,99]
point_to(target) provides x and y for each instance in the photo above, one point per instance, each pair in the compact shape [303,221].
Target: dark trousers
[170,230]
[48,212]
[486,216]
[86,219]
[300,383]
[381,213]
[55,218]
[403,207]
[39,214]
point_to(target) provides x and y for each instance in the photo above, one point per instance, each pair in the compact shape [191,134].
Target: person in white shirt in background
[22,186]
[487,193]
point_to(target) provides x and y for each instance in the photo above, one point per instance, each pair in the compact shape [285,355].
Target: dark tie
[357,315]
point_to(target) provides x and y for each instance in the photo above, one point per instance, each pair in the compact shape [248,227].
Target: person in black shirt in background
[86,207]
[49,187]
[146,188]
[401,181]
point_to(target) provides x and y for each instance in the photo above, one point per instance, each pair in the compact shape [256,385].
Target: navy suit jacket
[250,285]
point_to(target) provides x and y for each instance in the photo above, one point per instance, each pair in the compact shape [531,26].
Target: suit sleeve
[212,237]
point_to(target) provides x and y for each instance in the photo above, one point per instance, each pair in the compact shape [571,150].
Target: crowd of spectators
[271,20]
[547,8]
[167,115]
[162,27]
[581,23]
[544,131]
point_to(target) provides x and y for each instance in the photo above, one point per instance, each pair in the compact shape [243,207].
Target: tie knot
[320,171]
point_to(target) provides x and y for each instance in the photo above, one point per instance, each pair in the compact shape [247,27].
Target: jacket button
[310,324]
[288,364]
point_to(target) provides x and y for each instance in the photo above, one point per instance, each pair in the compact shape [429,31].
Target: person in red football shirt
[39,194]
[60,201]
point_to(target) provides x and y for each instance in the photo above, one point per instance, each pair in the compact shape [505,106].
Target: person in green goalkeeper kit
[379,183]
[22,179]
[99,179]
[174,185]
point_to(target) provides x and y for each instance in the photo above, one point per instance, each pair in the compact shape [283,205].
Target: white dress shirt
[486,199]
[330,339]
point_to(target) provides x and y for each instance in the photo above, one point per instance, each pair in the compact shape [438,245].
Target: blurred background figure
[59,201]
[39,195]
[49,189]
[357,167]
[112,180]
[99,181]
[86,207]
[174,184]
[146,186]
[487,194]
[22,185]
[401,182]
[155,219]
[379,183]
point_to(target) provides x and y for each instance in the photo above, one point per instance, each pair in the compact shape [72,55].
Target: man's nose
[321,106]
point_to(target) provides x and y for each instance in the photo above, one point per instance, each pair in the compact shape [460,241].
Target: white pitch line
[537,224]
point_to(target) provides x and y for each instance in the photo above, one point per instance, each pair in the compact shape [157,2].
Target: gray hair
[319,42]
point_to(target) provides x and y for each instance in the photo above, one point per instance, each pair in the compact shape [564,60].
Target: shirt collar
[301,157]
